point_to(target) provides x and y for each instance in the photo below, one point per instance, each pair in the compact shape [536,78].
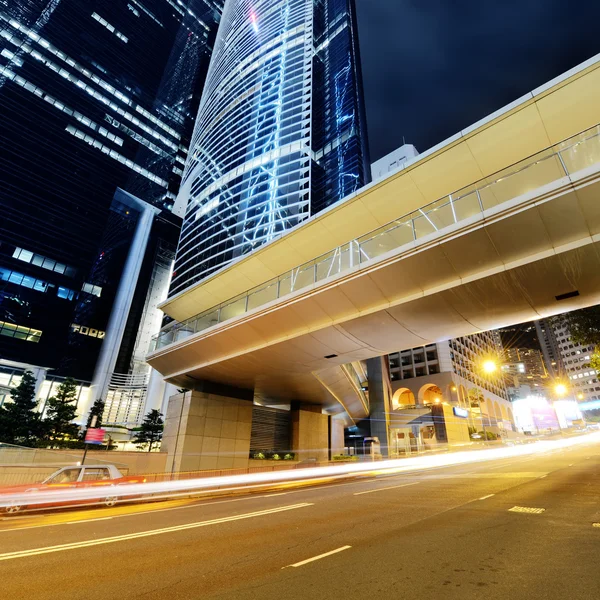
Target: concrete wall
[24,465]
[457,429]
[310,435]
[206,431]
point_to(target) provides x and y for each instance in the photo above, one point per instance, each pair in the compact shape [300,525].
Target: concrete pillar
[122,304]
[379,400]
[206,431]
[158,394]
[336,442]
[40,376]
[310,434]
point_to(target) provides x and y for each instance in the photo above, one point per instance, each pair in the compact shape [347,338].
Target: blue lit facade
[280,133]
[95,95]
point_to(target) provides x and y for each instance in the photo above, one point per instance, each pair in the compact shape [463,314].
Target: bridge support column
[310,433]
[207,431]
[379,400]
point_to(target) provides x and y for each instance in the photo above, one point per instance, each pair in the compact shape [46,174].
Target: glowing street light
[489,367]
[580,396]
[560,389]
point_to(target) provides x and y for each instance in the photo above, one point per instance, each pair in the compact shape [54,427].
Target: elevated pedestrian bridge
[511,235]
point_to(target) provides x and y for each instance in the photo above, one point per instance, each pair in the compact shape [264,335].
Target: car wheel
[110,500]
[14,508]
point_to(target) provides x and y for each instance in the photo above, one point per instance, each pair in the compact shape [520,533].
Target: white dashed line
[486,497]
[394,487]
[320,556]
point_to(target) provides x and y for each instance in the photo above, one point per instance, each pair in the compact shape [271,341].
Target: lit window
[95,290]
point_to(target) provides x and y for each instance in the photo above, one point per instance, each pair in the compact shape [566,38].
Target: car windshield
[64,476]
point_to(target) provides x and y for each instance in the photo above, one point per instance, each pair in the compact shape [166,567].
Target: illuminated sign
[83,330]
[463,413]
[94,436]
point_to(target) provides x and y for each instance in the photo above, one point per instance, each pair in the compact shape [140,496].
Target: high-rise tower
[280,133]
[97,101]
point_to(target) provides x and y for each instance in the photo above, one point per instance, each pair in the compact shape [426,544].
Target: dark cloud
[434,67]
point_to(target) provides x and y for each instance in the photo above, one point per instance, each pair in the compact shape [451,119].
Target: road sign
[95,436]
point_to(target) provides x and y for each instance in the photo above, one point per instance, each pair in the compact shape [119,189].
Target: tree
[584,326]
[584,329]
[97,411]
[151,429]
[20,423]
[62,410]
[475,396]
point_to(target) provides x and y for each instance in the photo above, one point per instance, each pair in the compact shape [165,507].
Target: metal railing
[553,163]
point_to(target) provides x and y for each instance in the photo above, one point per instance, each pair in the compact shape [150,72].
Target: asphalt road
[446,534]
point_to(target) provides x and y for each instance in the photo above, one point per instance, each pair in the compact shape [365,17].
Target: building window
[95,290]
[20,332]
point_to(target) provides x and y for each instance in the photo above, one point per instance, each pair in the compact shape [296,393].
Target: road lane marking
[596,525]
[394,487]
[88,520]
[319,557]
[486,497]
[143,534]
[527,509]
[543,476]
[279,494]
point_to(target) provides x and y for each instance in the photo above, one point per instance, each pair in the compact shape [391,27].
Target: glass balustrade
[570,156]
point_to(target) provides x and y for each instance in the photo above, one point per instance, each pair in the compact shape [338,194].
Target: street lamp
[560,389]
[489,367]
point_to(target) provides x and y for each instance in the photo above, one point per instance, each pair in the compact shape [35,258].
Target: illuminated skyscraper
[97,102]
[280,133]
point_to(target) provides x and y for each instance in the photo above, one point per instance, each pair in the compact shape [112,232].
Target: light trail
[316,474]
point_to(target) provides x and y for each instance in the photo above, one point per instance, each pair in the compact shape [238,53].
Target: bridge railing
[563,159]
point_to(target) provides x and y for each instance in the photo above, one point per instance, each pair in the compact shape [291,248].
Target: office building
[280,133]
[448,375]
[97,105]
[524,366]
[581,378]
[550,347]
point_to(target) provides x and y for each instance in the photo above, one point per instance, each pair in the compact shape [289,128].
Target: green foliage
[344,458]
[475,396]
[151,430]
[20,423]
[584,325]
[97,410]
[61,412]
[272,455]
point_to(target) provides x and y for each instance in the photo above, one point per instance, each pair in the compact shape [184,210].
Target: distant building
[524,366]
[575,359]
[550,347]
[393,161]
[448,373]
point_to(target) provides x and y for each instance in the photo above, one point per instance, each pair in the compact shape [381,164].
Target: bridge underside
[523,260]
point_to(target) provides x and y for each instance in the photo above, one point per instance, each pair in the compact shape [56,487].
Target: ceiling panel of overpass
[555,114]
[590,205]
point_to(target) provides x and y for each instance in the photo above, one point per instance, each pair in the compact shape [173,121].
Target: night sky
[434,67]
